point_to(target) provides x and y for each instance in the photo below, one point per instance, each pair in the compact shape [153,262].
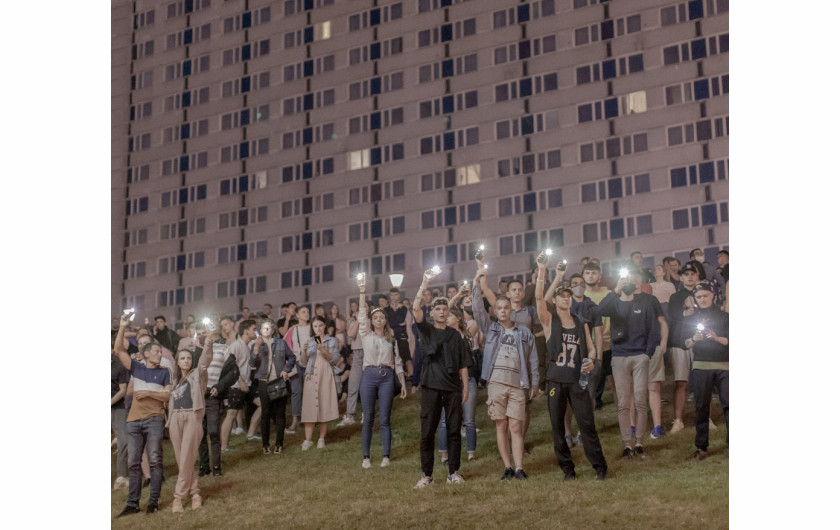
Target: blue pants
[377,383]
[144,434]
[468,410]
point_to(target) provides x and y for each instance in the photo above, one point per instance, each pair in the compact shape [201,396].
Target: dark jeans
[431,402]
[377,384]
[704,381]
[559,394]
[418,364]
[271,409]
[144,434]
[212,425]
[606,369]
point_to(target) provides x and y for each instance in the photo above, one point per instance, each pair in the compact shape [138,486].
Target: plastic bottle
[584,376]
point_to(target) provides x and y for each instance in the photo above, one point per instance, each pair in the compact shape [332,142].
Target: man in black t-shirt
[443,381]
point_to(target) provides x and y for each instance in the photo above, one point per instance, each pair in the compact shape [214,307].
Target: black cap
[702,286]
[690,266]
[560,290]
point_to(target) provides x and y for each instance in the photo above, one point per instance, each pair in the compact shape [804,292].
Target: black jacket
[228,377]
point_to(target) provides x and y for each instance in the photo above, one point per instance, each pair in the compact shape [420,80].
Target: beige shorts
[656,372]
[505,401]
[682,363]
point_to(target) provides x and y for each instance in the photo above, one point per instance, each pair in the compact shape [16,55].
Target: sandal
[278,450]
[266,450]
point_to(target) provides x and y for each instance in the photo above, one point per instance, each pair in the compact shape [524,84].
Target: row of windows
[243,85]
[183,195]
[305,277]
[524,49]
[448,68]
[374,156]
[184,7]
[146,18]
[424,6]
[182,228]
[450,215]
[307,170]
[292,7]
[318,32]
[698,131]
[697,90]
[243,183]
[691,10]
[307,241]
[375,16]
[137,173]
[376,85]
[375,120]
[609,69]
[244,20]
[187,37]
[377,265]
[134,270]
[180,296]
[448,104]
[544,121]
[246,52]
[531,241]
[137,205]
[449,140]
[243,217]
[181,262]
[451,177]
[526,87]
[376,228]
[613,188]
[196,96]
[141,80]
[608,29]
[143,49]
[240,118]
[528,163]
[530,202]
[577,4]
[302,103]
[522,13]
[241,286]
[613,147]
[186,67]
[633,103]
[376,192]
[242,252]
[701,173]
[186,130]
[244,150]
[706,215]
[372,52]
[307,205]
[695,49]
[184,163]
[617,228]
[448,254]
[446,32]
[308,135]
[308,68]
[139,142]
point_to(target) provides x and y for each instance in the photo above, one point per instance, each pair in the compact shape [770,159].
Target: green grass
[327,488]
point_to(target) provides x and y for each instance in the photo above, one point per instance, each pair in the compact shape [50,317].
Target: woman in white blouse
[377,375]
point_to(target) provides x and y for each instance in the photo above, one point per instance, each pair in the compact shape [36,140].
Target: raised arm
[362,316]
[428,274]
[119,341]
[482,320]
[539,295]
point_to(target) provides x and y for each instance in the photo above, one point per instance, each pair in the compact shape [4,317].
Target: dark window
[709,214]
[680,219]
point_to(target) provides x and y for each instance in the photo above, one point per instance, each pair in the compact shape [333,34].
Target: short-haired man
[635,334]
[530,299]
[165,336]
[443,384]
[597,292]
[144,425]
[287,318]
[567,337]
[710,275]
[238,394]
[246,315]
[267,309]
[680,355]
[637,260]
[672,270]
[426,308]
[510,369]
[706,332]
[451,291]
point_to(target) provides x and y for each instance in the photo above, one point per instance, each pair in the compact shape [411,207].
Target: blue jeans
[144,434]
[377,383]
[468,409]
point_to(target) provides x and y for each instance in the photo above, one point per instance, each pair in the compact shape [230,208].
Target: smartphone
[562,266]
[317,340]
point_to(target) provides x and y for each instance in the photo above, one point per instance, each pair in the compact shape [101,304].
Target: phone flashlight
[360,276]
[128,311]
[700,327]
[485,266]
[623,273]
[565,262]
[131,318]
[436,269]
[466,283]
[481,247]
[548,252]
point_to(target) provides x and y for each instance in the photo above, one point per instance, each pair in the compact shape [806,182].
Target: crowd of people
[565,343]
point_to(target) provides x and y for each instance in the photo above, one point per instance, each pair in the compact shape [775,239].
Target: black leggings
[275,408]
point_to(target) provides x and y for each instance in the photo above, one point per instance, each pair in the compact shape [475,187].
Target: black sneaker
[600,475]
[203,472]
[129,510]
[639,451]
[508,473]
[628,453]
[217,472]
[569,475]
[151,508]
[520,474]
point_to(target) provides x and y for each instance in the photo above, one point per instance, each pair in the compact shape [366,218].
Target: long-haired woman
[377,376]
[320,397]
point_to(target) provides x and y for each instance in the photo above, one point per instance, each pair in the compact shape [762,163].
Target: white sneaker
[306,445]
[347,420]
[423,482]
[238,430]
[414,390]
[455,478]
[470,456]
[385,462]
[366,463]
[321,443]
[121,482]
[444,457]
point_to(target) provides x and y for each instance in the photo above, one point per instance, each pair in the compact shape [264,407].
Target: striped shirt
[150,380]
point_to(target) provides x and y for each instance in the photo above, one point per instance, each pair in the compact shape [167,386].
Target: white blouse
[378,351]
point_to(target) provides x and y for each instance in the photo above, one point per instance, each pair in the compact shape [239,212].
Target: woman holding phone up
[320,397]
[377,375]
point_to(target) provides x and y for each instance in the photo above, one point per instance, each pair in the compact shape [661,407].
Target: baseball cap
[702,286]
[690,266]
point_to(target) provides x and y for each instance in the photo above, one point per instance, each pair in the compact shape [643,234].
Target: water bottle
[584,376]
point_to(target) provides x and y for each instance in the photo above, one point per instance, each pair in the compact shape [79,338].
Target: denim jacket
[332,347]
[493,331]
[281,355]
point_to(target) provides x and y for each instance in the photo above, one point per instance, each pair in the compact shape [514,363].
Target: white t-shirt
[507,367]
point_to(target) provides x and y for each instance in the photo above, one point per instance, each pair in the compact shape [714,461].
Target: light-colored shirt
[378,351]
[243,360]
[663,291]
[506,368]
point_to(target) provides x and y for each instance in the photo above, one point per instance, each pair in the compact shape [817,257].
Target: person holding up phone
[320,397]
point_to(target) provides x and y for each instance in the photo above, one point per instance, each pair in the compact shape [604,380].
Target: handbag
[277,389]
